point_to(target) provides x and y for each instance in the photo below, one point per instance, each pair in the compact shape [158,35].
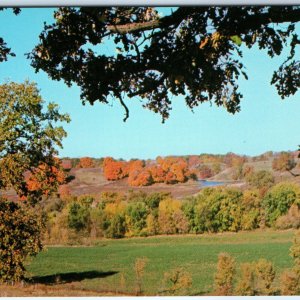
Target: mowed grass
[196,254]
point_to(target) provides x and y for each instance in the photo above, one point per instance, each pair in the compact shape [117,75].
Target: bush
[177,281]
[245,286]
[290,283]
[265,275]
[139,267]
[290,220]
[224,275]
[20,232]
[260,179]
[290,279]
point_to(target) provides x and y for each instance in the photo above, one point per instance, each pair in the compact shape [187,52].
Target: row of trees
[116,215]
[169,170]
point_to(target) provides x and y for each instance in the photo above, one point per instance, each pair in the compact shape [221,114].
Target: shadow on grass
[61,278]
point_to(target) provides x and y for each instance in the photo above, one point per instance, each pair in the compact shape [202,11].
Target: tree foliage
[86,162]
[279,199]
[28,140]
[19,238]
[224,275]
[169,170]
[260,179]
[28,145]
[284,162]
[5,51]
[193,51]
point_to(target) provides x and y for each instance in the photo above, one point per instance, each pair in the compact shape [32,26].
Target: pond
[208,183]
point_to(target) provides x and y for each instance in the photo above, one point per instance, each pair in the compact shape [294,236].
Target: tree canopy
[194,51]
[28,140]
[5,51]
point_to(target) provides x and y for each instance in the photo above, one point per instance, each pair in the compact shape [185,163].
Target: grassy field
[108,267]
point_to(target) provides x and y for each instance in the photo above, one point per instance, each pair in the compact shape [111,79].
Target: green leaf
[236,39]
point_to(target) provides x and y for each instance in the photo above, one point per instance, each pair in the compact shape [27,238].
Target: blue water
[205,183]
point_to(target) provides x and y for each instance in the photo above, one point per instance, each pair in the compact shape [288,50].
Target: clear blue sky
[264,123]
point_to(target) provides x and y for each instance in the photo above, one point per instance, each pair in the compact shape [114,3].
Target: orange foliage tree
[86,162]
[43,180]
[168,170]
[114,170]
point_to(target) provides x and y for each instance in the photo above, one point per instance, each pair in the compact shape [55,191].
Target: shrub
[20,231]
[177,281]
[260,179]
[224,275]
[245,285]
[290,283]
[265,274]
[284,162]
[290,220]
[139,267]
[290,279]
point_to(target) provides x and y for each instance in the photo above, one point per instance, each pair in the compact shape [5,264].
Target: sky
[265,122]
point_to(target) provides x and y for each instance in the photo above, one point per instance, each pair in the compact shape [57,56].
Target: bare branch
[125,107]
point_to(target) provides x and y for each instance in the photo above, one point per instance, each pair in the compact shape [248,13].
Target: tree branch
[173,19]
[182,12]
[257,20]
[125,107]
[133,27]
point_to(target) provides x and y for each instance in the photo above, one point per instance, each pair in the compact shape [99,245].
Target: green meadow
[108,266]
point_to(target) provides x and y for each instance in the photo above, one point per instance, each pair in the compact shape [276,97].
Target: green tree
[115,226]
[193,51]
[218,210]
[79,217]
[20,231]
[28,143]
[28,137]
[279,199]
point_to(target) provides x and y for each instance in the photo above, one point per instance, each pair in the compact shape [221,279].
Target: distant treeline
[118,215]
[174,169]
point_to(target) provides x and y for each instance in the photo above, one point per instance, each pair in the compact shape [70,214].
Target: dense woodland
[117,215]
